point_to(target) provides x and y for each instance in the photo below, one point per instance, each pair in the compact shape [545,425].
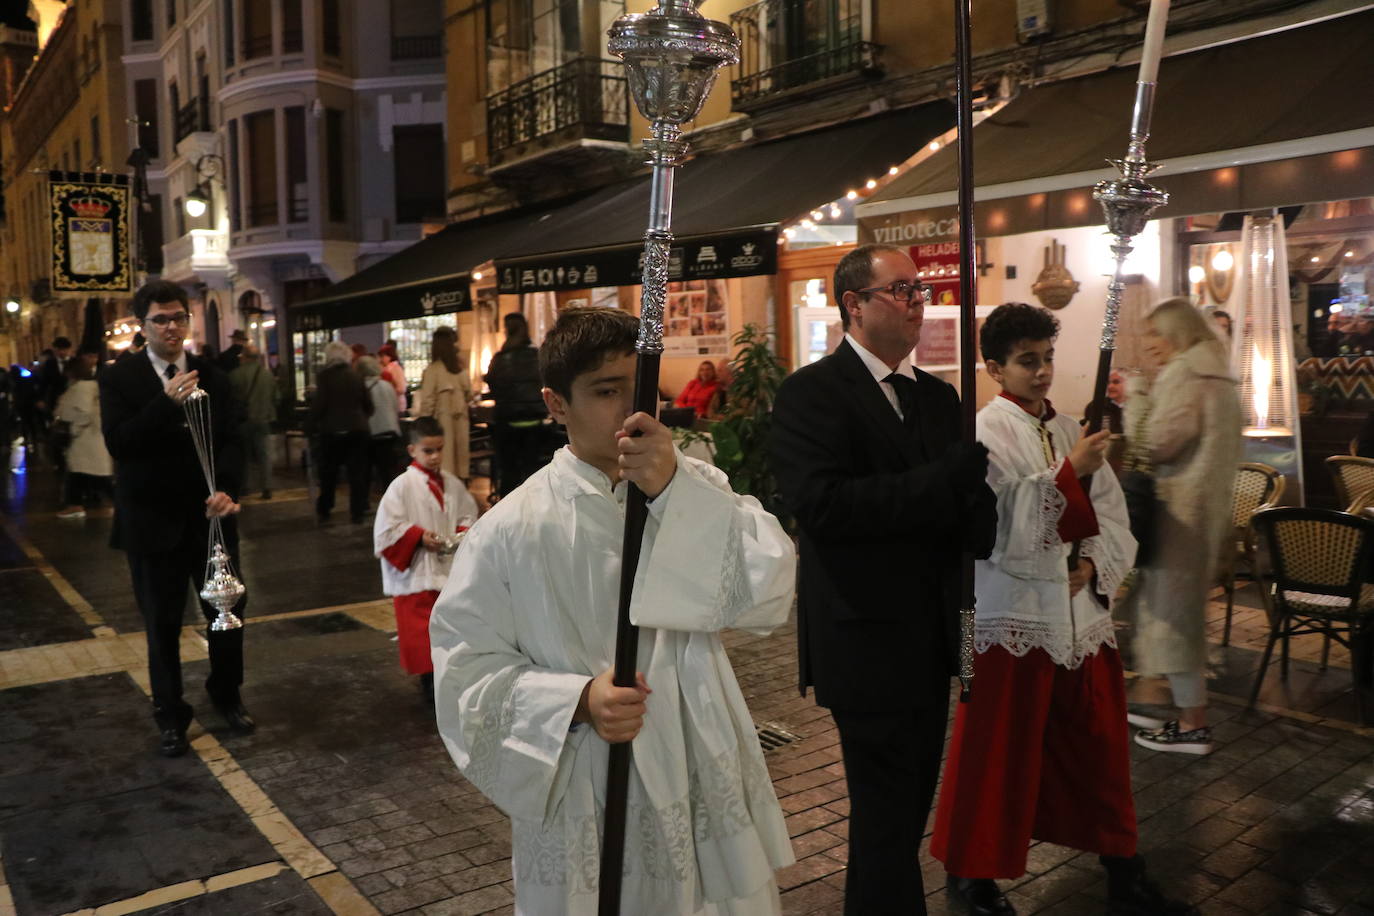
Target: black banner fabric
[436,298]
[743,253]
[90,232]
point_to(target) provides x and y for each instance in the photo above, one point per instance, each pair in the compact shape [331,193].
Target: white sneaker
[1141,720]
[1170,739]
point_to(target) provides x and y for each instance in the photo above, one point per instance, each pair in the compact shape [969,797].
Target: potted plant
[740,436]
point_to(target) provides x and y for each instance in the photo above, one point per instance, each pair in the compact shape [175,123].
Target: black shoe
[173,742]
[1130,892]
[237,717]
[980,896]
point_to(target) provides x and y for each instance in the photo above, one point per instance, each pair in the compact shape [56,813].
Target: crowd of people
[887,495]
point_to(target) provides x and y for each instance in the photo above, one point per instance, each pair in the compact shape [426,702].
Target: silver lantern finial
[672,54]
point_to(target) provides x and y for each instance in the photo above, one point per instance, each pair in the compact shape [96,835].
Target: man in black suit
[161,508]
[868,455]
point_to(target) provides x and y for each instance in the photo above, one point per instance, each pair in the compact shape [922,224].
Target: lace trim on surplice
[660,842]
[1019,635]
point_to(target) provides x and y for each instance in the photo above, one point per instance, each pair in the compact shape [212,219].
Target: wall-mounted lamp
[11,305]
[209,166]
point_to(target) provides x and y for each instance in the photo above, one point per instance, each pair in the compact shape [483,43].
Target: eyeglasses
[180,319]
[902,291]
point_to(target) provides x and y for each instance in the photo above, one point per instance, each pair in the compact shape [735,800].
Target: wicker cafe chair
[1320,563]
[1352,475]
[1257,487]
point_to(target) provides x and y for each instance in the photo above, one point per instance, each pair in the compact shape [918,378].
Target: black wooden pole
[968,301]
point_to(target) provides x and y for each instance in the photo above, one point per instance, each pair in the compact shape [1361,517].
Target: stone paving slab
[35,614]
[91,815]
[285,894]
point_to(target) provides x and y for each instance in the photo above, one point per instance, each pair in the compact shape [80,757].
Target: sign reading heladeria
[90,232]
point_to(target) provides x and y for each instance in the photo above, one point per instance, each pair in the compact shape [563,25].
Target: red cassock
[1041,751]
[412,630]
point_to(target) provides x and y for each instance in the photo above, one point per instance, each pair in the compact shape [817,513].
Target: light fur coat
[1193,439]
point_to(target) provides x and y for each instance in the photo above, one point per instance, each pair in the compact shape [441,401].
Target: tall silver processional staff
[1129,200]
[671,56]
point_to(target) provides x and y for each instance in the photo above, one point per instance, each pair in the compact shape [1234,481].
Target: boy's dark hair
[159,291]
[581,340]
[424,427]
[1012,322]
[61,343]
[855,272]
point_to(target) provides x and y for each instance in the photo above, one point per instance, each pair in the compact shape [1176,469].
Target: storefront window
[308,359]
[412,336]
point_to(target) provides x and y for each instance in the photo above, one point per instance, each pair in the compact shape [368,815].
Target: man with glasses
[161,507]
[868,455]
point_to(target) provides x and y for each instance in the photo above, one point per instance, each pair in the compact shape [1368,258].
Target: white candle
[1154,41]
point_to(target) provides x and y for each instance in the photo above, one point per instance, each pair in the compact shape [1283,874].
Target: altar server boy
[524,637]
[422,508]
[1041,750]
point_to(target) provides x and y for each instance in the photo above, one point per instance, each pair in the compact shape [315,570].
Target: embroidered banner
[90,232]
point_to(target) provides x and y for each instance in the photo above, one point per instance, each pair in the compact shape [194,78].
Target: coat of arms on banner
[90,228]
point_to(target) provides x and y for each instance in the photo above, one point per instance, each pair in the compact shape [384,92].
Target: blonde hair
[1177,321]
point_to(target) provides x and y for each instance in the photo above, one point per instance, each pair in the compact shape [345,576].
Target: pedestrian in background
[229,359]
[254,391]
[444,395]
[339,415]
[394,374]
[1192,439]
[89,468]
[384,424]
[518,422]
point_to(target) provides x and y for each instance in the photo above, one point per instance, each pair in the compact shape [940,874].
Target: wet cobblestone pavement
[344,800]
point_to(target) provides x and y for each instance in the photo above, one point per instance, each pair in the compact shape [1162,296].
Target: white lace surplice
[1023,588]
[528,616]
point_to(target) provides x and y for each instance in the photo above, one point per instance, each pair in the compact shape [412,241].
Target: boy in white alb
[524,635]
[423,507]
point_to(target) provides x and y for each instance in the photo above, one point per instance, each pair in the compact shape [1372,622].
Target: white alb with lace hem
[1023,588]
[528,617]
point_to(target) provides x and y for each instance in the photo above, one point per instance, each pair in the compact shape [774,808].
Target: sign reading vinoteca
[89,214]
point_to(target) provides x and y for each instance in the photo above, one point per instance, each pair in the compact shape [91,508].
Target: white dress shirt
[160,365]
[881,371]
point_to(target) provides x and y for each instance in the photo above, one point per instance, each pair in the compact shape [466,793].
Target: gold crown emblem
[89,207]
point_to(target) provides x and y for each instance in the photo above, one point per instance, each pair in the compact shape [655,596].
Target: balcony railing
[192,117]
[416,47]
[786,44]
[585,94]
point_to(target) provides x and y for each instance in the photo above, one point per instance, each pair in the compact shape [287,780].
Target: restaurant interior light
[871,183]
[1196,274]
[851,194]
[1350,254]
[1336,308]
[476,275]
[11,305]
[934,146]
[1223,261]
[834,211]
[1315,259]
[892,170]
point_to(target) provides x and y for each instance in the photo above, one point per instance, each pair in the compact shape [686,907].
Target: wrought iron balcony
[192,117]
[789,44]
[583,99]
[416,47]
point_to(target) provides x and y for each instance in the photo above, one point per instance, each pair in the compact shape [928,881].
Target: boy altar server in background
[423,505]
[524,637]
[1041,750]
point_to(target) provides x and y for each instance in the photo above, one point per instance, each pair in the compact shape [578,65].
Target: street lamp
[11,305]
[208,166]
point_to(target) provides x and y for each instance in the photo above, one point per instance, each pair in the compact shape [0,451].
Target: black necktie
[906,397]
[171,371]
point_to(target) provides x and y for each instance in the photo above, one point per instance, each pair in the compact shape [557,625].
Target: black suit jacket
[883,529]
[159,487]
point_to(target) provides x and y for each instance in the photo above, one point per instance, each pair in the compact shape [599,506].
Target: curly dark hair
[1012,322]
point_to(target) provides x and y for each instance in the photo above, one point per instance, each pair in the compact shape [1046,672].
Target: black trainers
[1170,739]
[1130,892]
